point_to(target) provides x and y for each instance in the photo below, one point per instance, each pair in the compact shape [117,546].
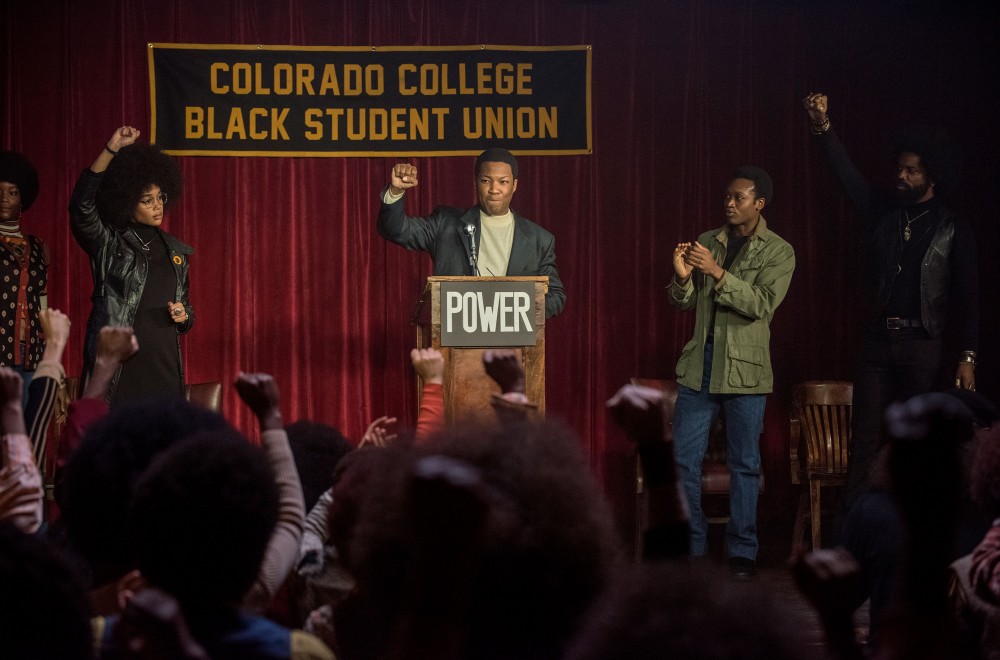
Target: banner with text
[224,100]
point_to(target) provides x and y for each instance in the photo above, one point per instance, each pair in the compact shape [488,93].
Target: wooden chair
[205,395]
[820,433]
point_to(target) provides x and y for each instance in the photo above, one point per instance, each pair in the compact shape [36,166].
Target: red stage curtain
[290,277]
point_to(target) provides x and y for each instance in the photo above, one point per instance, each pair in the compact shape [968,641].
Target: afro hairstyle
[130,174]
[201,518]
[317,449]
[545,555]
[939,155]
[97,484]
[16,169]
[45,608]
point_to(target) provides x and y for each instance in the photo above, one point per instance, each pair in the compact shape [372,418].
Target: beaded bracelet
[821,127]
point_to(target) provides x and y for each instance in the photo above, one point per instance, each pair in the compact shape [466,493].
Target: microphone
[470,229]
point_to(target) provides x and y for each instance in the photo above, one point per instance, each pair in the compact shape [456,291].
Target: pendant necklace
[145,244]
[909,221]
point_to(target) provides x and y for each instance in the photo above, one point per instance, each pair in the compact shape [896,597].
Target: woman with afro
[140,272]
[23,269]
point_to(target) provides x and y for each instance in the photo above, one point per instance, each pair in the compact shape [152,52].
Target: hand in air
[404,177]
[817,105]
[122,137]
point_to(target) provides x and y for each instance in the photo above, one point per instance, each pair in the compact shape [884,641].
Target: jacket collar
[174,245]
[760,232]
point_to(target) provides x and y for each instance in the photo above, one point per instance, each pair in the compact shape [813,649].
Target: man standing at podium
[734,277]
[488,240]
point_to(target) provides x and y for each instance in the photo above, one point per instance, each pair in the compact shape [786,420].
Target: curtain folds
[289,276]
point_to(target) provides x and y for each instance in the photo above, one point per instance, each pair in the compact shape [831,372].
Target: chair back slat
[824,411]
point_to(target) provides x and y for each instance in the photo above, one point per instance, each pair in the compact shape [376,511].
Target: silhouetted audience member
[486,543]
[317,449]
[20,480]
[44,611]
[668,610]
[152,627]
[200,521]
[101,473]
[925,480]
[640,412]
[975,578]
[874,532]
[319,578]
[100,478]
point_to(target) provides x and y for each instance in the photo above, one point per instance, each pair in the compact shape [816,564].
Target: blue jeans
[744,420]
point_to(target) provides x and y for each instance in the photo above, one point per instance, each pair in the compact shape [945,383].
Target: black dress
[154,371]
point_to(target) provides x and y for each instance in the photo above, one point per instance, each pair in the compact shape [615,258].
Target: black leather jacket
[949,281]
[119,270]
[935,271]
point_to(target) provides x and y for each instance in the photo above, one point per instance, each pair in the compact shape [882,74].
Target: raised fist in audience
[504,366]
[260,393]
[429,364]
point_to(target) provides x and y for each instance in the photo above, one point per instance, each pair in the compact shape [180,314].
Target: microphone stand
[470,229]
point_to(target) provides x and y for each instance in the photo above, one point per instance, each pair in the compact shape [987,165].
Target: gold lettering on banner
[483,78]
[282,78]
[283,83]
[508,122]
[194,123]
[236,128]
[376,124]
[214,72]
[433,79]
[428,79]
[259,87]
[252,124]
[524,78]
[211,133]
[304,74]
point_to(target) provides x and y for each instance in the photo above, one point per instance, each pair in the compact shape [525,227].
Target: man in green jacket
[734,278]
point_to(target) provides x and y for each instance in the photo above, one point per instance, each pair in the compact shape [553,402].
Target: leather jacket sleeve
[88,230]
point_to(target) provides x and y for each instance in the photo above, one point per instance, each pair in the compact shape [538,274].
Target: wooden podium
[512,307]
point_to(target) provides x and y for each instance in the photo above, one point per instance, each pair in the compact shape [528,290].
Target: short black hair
[45,607]
[201,519]
[317,449]
[496,155]
[130,174]
[939,154]
[762,185]
[98,481]
[16,169]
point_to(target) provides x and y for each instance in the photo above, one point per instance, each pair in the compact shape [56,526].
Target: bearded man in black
[919,277]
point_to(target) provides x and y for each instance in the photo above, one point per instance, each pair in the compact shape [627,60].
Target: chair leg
[798,530]
[814,491]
